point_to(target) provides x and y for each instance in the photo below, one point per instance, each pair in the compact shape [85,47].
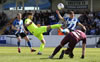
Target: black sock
[57,49]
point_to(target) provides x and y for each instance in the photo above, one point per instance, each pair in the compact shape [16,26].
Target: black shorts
[21,34]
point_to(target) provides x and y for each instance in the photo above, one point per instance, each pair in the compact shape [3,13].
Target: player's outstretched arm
[83,27]
[83,50]
[60,17]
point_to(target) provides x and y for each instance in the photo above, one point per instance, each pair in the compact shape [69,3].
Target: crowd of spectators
[44,18]
[89,19]
[92,22]
[3,19]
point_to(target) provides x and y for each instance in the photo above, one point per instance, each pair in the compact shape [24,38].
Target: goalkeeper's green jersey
[31,27]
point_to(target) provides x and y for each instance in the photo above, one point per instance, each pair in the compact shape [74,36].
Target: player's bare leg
[29,44]
[18,43]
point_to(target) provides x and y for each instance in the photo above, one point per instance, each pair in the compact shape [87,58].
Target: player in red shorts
[72,38]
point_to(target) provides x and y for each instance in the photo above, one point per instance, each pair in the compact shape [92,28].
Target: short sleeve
[26,21]
[65,18]
[14,23]
[22,22]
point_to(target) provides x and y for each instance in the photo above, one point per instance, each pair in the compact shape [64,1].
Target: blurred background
[87,11]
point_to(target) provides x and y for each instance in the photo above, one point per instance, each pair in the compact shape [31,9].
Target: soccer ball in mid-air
[60,6]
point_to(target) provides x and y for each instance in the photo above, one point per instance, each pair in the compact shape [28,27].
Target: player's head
[19,16]
[30,15]
[71,14]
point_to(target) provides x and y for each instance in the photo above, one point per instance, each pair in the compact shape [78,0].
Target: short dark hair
[70,12]
[30,13]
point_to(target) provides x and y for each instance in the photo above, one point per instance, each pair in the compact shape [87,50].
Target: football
[60,6]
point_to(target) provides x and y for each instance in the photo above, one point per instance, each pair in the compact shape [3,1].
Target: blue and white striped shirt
[71,23]
[19,25]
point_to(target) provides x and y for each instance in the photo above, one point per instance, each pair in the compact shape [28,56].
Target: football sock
[41,47]
[29,44]
[56,26]
[18,43]
[57,49]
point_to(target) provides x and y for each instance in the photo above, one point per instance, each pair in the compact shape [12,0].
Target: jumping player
[71,22]
[20,32]
[38,31]
[72,38]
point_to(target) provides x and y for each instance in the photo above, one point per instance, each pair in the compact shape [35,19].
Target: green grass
[10,54]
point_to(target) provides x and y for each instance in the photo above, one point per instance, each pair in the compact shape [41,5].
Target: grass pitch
[10,54]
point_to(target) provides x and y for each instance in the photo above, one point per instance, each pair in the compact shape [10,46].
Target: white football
[60,6]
